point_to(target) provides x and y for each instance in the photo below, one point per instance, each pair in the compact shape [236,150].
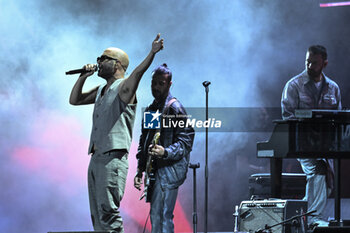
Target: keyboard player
[312,89]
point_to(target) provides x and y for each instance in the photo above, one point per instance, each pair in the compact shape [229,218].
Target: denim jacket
[300,92]
[177,141]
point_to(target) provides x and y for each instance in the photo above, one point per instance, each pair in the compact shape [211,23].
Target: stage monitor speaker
[255,215]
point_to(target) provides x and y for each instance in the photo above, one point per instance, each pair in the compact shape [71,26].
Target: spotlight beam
[333,4]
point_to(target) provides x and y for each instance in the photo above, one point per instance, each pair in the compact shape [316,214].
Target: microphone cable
[144,228]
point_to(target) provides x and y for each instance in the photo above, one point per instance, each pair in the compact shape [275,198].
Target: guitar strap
[169,104]
[166,108]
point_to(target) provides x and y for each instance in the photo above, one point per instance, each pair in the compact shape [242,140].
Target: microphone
[79,71]
[206,83]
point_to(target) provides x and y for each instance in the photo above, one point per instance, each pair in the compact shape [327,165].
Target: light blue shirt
[300,92]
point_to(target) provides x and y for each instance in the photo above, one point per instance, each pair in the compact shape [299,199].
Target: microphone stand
[206,85]
[194,214]
[236,216]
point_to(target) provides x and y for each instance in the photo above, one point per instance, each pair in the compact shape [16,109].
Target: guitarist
[171,155]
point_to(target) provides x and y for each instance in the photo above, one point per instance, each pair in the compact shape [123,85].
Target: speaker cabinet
[255,215]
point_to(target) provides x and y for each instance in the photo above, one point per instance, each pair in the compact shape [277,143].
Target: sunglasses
[104,57]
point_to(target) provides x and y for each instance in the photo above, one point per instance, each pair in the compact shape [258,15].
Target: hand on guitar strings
[156,150]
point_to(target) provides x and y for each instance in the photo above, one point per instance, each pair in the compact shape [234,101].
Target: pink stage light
[57,153]
[333,4]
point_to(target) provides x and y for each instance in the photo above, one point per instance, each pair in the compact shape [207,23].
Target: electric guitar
[150,175]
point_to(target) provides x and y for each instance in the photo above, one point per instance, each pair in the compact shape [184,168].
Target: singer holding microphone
[113,120]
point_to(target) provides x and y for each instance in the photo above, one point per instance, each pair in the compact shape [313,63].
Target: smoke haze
[248,49]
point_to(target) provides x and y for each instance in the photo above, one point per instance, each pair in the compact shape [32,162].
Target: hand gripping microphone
[79,71]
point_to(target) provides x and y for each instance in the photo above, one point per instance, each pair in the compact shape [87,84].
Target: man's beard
[313,74]
[156,95]
[159,96]
[105,74]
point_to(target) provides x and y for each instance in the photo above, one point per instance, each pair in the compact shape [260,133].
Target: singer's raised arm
[77,96]
[129,86]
